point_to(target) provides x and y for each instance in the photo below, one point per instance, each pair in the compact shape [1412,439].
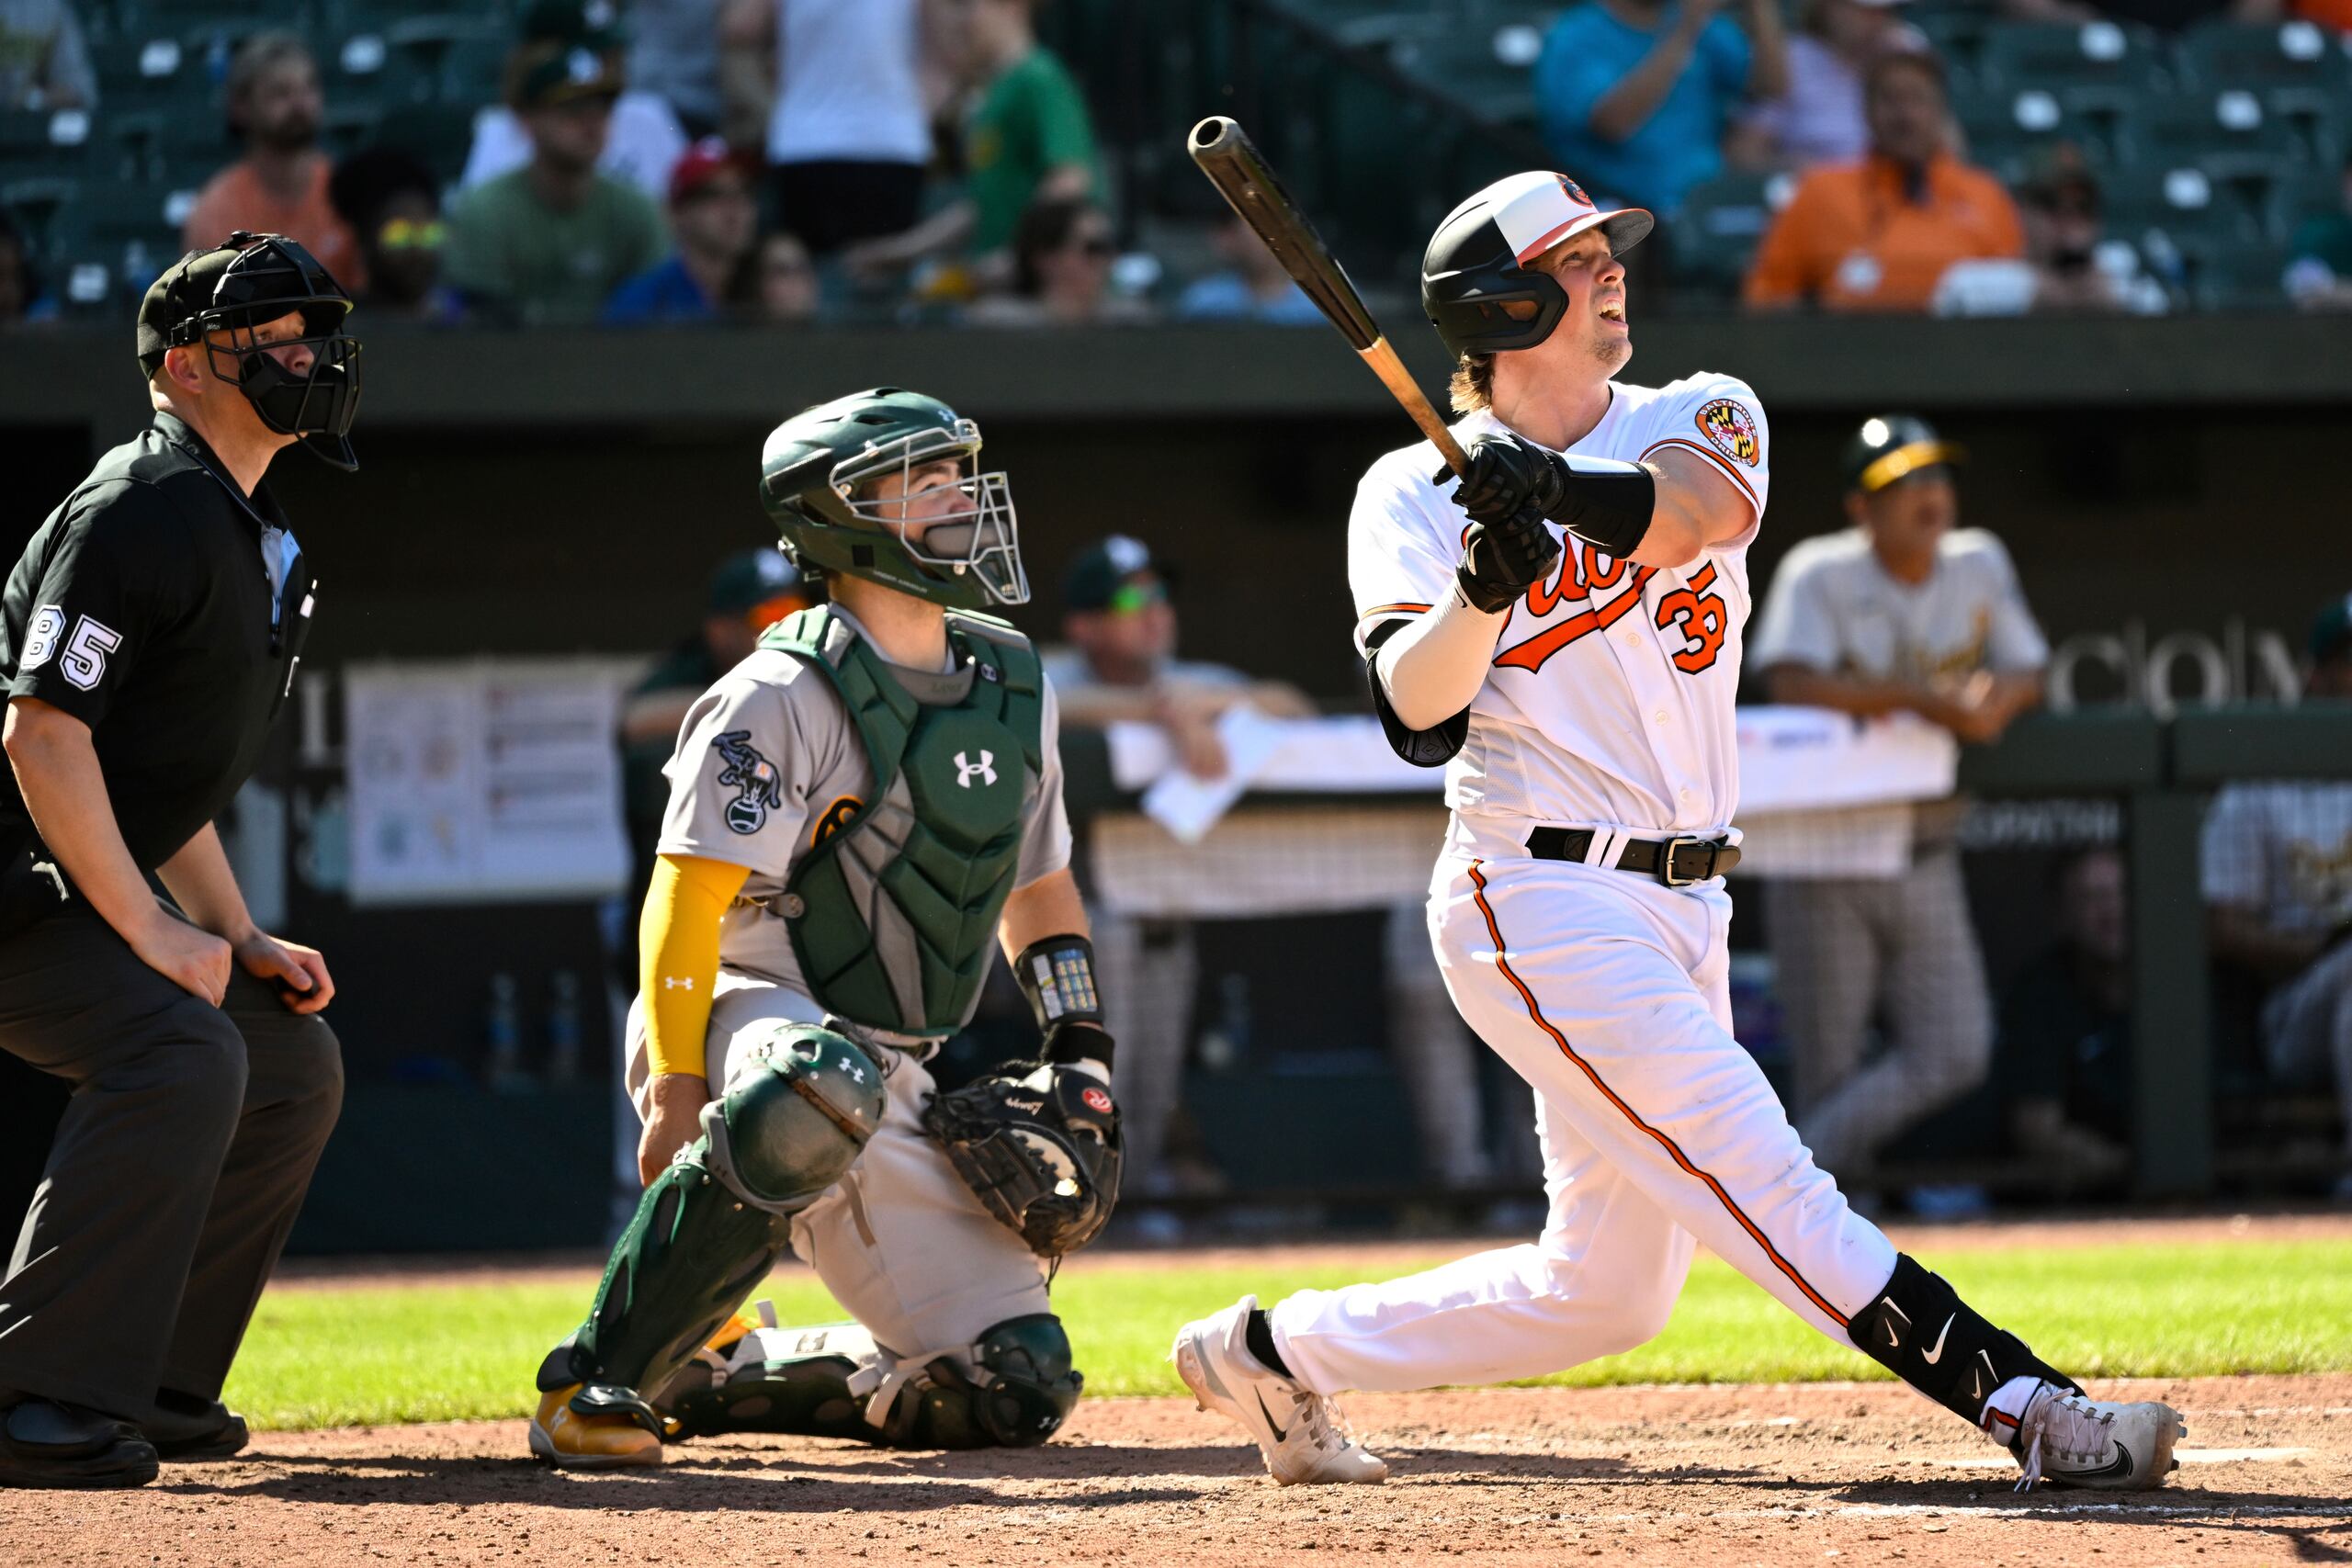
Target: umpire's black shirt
[166,610]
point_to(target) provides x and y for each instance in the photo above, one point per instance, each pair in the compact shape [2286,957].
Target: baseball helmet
[1477,287]
[816,462]
[234,287]
[1892,446]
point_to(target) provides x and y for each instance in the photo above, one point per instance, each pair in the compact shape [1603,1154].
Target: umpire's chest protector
[898,907]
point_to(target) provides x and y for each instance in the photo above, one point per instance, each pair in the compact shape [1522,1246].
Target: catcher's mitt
[1038,1144]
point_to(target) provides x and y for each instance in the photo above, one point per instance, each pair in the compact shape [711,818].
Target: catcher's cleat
[569,1440]
[2072,1439]
[1298,1430]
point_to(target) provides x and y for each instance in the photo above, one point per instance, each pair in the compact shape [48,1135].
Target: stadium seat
[2002,128]
[2309,193]
[1722,223]
[1369,23]
[2239,277]
[45,142]
[35,204]
[151,73]
[2071,55]
[2272,57]
[2232,138]
[1957,34]
[1492,85]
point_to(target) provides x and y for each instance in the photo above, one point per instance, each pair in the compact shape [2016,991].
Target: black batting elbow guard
[1422,748]
[1606,503]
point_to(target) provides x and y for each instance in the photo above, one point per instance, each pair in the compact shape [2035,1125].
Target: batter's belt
[1677,861]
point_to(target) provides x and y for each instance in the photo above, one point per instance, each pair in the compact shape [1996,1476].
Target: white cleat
[1296,1429]
[2072,1439]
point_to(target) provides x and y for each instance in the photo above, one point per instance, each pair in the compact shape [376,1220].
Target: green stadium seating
[1957,34]
[2074,56]
[1467,68]
[2239,277]
[35,203]
[2281,56]
[2229,134]
[2306,193]
[1722,223]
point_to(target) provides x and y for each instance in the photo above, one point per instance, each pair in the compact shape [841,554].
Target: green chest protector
[898,904]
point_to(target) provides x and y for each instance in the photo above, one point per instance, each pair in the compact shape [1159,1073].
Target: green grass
[390,1353]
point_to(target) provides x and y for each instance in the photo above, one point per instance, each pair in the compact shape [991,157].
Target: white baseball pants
[1607,993]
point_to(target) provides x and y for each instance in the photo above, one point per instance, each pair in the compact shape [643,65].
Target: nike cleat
[1298,1430]
[2072,1439]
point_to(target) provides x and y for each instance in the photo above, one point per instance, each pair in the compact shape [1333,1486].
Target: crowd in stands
[652,162]
[1874,188]
[675,161]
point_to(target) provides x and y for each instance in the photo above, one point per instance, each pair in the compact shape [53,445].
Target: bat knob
[1212,134]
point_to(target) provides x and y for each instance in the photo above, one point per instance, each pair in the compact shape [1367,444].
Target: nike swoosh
[1937,1354]
[2120,1466]
[1280,1436]
[1893,1340]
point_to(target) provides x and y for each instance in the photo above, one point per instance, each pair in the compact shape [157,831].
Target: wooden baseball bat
[1231,161]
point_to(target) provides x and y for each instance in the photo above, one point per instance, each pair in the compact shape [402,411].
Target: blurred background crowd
[1011,162]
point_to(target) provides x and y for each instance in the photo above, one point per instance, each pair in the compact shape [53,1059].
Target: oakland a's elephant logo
[746,770]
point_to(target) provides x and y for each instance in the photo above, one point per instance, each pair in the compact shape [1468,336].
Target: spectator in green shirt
[1026,138]
[549,241]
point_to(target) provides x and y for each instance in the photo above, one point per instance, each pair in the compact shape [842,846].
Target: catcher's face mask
[925,490]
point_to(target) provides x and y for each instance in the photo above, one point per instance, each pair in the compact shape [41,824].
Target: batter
[1563,633]
[859,812]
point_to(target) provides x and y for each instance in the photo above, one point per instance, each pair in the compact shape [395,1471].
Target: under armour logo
[673,982]
[985,768]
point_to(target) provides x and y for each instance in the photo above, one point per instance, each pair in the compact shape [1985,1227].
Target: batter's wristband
[1056,973]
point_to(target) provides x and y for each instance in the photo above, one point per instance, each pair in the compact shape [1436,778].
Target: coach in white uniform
[1563,632]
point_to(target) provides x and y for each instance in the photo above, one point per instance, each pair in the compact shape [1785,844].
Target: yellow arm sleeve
[678,955]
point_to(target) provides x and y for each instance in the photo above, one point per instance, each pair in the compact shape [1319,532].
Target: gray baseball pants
[1901,948]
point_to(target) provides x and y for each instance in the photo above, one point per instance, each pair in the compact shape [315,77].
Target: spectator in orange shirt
[1876,235]
[280,187]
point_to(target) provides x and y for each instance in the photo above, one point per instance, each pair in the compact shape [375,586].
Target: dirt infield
[1713,1476]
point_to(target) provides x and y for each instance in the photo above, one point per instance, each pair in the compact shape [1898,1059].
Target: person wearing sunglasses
[1062,251]
[392,202]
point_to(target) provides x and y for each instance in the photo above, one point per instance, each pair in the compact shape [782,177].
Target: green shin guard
[712,1225]
[1011,1388]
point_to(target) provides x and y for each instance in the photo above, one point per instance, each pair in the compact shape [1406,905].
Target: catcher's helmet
[234,287]
[815,461]
[1892,446]
[1476,265]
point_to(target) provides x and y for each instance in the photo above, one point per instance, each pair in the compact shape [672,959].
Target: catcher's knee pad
[779,1137]
[713,1223]
[1920,1330]
[1013,1390]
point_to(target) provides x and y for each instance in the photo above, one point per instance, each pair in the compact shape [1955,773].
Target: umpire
[149,636]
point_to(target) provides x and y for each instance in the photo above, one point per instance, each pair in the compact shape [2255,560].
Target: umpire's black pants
[175,1174]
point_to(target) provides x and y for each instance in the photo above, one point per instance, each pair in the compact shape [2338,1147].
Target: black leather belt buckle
[1668,848]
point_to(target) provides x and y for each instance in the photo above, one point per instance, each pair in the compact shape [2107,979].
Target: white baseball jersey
[1609,701]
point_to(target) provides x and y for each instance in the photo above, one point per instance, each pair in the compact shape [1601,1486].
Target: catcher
[856,811]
